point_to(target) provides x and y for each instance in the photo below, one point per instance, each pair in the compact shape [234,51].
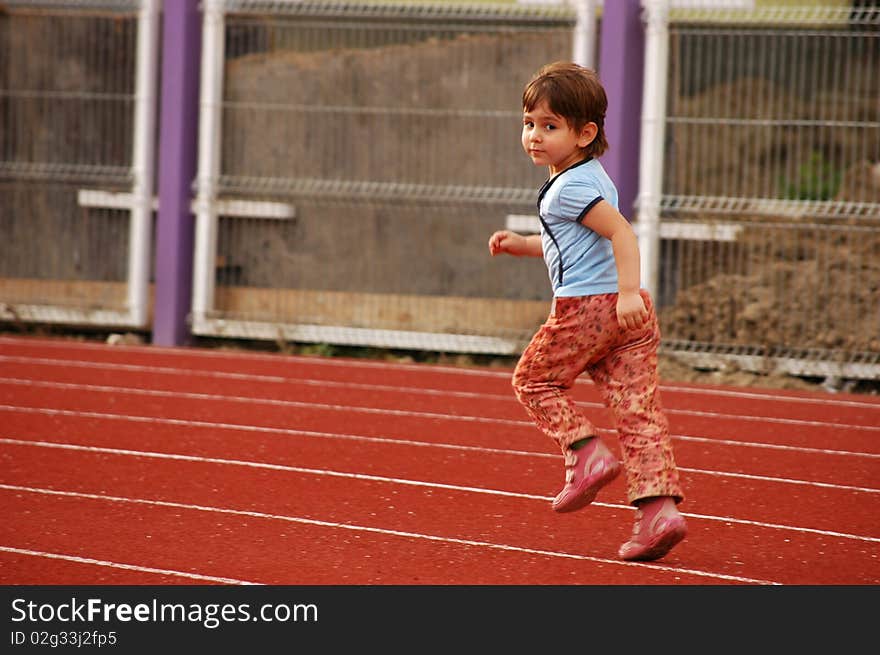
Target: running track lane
[120,463]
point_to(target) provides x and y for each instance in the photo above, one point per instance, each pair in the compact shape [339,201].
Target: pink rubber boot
[587,470]
[659,527]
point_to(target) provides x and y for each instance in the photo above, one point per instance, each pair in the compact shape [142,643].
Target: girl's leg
[628,381]
[549,366]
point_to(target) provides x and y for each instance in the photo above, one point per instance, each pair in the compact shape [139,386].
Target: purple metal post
[621,62]
[178,142]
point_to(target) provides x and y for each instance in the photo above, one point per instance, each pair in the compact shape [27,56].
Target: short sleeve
[576,198]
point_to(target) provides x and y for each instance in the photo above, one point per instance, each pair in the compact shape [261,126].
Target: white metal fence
[769,186]
[364,153]
[77,128]
[355,156]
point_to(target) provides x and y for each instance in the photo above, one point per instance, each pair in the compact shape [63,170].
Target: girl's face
[549,140]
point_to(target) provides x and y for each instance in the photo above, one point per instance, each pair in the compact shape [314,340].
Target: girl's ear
[588,133]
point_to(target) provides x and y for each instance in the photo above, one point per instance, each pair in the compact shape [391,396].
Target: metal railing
[768,188]
[371,148]
[355,156]
[78,88]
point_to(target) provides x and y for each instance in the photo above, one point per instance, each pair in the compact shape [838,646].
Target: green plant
[817,179]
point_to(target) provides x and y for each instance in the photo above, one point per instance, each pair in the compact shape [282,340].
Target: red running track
[145,465]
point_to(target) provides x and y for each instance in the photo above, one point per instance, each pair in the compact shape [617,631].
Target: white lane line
[387,532]
[412,442]
[772,419]
[169,370]
[772,395]
[159,393]
[389,480]
[769,446]
[119,565]
[243,427]
[140,368]
[766,478]
[240,355]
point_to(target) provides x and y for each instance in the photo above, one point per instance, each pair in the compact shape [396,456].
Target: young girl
[600,321]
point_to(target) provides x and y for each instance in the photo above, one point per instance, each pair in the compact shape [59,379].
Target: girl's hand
[505,241]
[631,311]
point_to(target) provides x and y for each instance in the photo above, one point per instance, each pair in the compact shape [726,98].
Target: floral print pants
[582,335]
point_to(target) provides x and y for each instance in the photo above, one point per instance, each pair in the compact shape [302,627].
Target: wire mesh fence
[771,191]
[364,151]
[387,136]
[68,105]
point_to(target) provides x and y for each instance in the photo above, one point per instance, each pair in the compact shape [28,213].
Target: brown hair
[574,93]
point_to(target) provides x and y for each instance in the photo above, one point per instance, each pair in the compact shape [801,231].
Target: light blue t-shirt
[579,261]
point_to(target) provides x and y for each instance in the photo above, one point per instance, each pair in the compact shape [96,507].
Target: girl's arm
[505,241]
[605,220]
